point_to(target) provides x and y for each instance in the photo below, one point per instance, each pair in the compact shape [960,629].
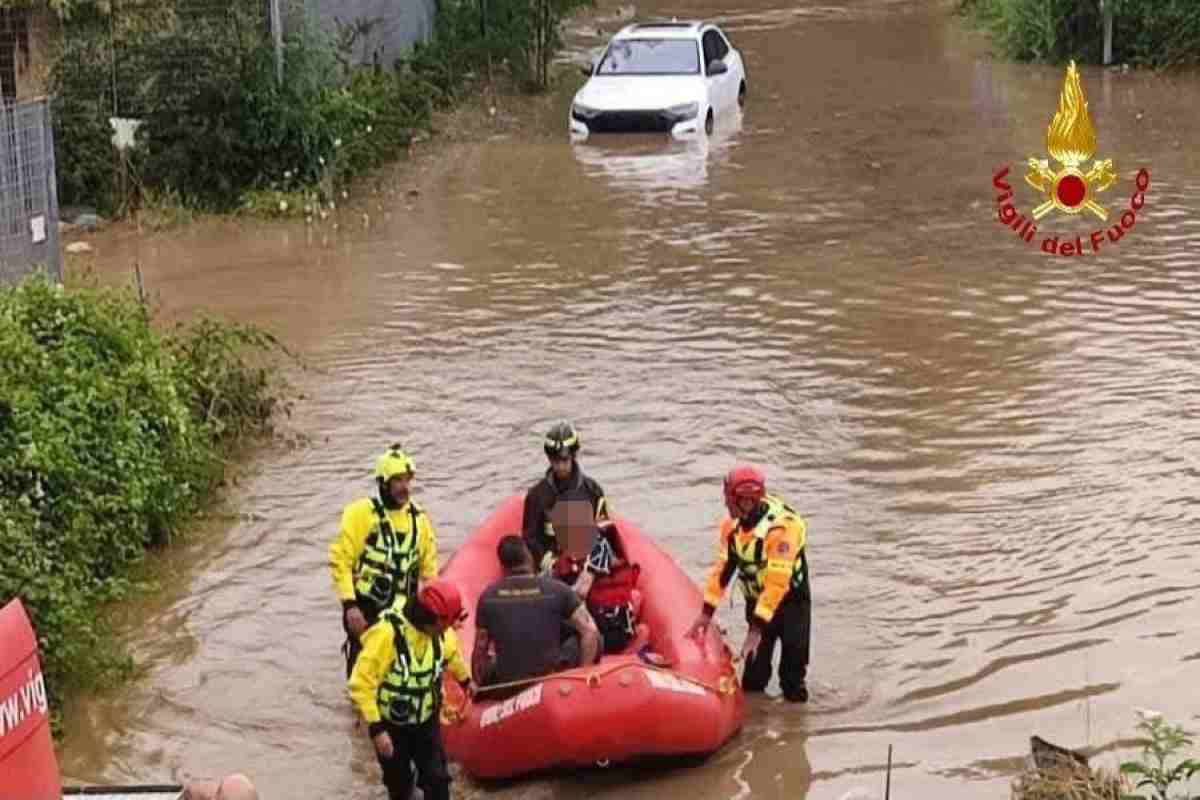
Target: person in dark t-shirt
[537,624]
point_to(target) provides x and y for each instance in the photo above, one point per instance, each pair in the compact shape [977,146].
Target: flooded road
[996,451]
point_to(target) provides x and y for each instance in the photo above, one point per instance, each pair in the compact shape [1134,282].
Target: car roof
[663,29]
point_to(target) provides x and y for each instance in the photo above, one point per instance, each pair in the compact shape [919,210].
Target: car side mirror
[587,69]
[717,67]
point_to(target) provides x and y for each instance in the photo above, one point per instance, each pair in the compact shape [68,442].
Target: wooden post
[1106,11]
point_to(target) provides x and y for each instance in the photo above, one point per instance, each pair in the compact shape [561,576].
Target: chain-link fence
[139,51]
[121,62]
[28,195]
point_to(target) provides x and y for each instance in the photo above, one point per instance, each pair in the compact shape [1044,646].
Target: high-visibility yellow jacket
[360,550]
[398,674]
[769,559]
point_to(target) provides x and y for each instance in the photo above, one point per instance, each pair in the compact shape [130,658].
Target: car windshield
[651,57]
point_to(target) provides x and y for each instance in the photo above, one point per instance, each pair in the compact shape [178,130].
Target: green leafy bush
[85,159]
[111,435]
[222,133]
[1163,742]
[233,134]
[1151,33]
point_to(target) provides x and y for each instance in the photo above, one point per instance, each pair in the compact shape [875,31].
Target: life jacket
[610,602]
[610,598]
[387,570]
[411,692]
[607,591]
[615,588]
[748,552]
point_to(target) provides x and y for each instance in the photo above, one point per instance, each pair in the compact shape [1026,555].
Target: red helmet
[744,480]
[441,598]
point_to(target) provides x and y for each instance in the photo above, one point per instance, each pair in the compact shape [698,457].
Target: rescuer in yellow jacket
[384,545]
[762,541]
[397,687]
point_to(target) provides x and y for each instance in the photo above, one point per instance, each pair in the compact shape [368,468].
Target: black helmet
[561,440]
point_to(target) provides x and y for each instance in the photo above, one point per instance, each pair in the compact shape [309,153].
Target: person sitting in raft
[397,686]
[605,580]
[536,624]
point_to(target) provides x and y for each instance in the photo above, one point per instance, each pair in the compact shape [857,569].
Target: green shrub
[1162,741]
[85,159]
[111,436]
[222,133]
[235,134]
[1157,33]
[1151,33]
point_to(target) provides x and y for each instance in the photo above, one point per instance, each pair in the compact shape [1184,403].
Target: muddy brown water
[996,450]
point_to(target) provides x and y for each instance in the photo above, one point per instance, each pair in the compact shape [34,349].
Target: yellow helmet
[392,463]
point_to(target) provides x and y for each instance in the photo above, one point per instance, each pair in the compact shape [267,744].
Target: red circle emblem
[1071,190]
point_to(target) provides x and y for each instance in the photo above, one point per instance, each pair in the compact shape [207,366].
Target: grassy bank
[112,436]
[1164,768]
[1146,33]
[220,133]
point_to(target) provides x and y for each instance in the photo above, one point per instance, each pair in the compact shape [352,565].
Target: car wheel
[708,123]
[742,95]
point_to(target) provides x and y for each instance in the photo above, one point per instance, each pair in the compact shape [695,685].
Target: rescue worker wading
[762,541]
[564,480]
[384,545]
[397,686]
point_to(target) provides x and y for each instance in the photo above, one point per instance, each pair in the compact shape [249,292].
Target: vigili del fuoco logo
[1070,190]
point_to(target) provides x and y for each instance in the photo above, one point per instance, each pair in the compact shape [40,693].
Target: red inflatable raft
[28,768]
[619,710]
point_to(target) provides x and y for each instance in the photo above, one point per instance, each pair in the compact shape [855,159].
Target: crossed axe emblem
[1069,190]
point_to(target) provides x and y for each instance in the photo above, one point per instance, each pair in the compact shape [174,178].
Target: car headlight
[585,112]
[684,111]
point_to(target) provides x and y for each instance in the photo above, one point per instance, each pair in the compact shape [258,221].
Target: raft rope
[724,686]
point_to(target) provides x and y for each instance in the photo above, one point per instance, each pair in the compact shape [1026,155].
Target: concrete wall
[392,25]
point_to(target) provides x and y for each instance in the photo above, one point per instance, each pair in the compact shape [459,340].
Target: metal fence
[28,193]
[28,196]
[122,62]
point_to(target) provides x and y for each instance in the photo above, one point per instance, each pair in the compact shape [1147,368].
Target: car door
[717,84]
[733,78]
[733,58]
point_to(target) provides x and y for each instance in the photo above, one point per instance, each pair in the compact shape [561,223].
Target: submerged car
[666,77]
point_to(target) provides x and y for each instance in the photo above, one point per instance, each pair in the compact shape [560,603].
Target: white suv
[668,77]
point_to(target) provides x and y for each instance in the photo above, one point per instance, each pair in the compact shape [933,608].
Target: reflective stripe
[408,695]
[749,554]
[388,567]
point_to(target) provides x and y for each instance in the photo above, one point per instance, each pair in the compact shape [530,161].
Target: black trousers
[419,746]
[792,628]
[352,646]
